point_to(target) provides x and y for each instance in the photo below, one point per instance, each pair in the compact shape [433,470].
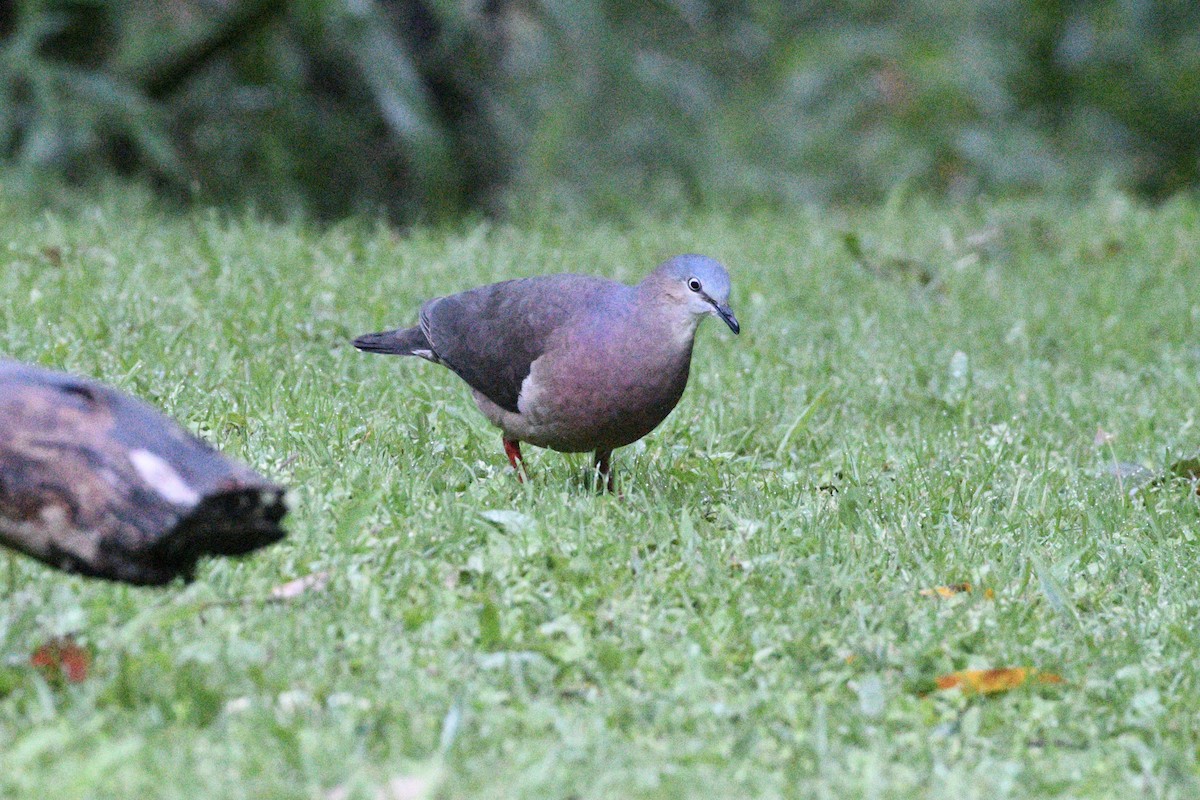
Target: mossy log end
[95,482]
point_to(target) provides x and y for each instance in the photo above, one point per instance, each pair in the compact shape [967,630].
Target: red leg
[512,449]
[604,468]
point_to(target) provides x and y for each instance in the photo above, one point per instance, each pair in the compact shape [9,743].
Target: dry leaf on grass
[992,681]
[952,589]
[315,582]
[61,659]
[1130,477]
[1134,477]
[509,521]
[946,591]
[1186,468]
[405,787]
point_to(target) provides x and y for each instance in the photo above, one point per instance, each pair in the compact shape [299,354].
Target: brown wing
[490,336]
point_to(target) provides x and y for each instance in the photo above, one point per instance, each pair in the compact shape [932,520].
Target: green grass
[746,621]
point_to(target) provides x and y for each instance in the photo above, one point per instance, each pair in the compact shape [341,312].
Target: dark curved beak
[726,314]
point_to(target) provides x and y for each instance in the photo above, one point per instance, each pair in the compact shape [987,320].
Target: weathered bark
[95,482]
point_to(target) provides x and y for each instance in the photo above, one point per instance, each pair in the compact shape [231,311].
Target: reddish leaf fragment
[61,659]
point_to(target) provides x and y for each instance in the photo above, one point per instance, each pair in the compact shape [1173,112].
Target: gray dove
[571,362]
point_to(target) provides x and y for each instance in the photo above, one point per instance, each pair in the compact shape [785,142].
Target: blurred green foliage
[428,108]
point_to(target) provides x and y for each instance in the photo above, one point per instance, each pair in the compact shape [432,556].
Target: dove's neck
[666,325]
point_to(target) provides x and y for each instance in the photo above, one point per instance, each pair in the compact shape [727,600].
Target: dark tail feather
[401,342]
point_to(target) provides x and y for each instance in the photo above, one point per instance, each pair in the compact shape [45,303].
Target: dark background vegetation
[425,109]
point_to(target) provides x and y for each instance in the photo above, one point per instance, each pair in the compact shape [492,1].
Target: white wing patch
[531,389]
[163,478]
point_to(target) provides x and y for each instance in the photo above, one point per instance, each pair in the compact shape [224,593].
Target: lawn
[922,395]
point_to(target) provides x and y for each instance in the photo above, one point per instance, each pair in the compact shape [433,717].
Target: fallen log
[96,482]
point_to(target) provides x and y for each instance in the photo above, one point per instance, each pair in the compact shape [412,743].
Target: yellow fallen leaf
[991,681]
[946,591]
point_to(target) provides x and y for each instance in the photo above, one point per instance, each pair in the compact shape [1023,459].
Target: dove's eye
[694,284]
